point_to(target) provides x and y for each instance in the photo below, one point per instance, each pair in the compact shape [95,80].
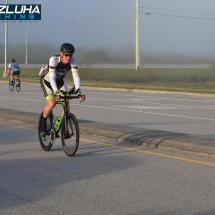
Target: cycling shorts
[15,72]
[47,89]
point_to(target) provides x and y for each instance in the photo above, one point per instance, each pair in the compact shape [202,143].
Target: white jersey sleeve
[75,74]
[52,72]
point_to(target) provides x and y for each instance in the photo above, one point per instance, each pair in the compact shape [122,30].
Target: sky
[112,23]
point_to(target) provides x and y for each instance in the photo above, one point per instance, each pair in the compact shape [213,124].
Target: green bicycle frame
[57,127]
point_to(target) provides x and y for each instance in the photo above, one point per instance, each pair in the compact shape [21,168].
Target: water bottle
[13,81]
[57,122]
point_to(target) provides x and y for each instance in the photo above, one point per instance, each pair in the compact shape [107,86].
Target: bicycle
[68,125]
[16,83]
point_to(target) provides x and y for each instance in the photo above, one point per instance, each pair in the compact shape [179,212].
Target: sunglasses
[67,55]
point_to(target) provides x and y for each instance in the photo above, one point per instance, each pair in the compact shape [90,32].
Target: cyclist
[52,78]
[15,70]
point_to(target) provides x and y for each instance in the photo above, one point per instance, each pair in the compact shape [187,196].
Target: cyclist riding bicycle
[52,80]
[15,70]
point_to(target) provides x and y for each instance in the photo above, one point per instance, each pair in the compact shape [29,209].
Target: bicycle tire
[11,86]
[70,145]
[45,140]
[18,86]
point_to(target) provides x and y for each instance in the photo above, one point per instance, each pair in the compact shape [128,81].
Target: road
[100,179]
[176,113]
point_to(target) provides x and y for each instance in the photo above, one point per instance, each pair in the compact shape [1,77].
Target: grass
[177,80]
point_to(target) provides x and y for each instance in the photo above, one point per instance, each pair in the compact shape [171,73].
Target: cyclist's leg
[49,94]
[47,111]
[65,90]
[17,75]
[51,103]
[11,76]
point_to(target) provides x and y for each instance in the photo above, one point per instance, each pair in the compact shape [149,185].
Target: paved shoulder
[200,145]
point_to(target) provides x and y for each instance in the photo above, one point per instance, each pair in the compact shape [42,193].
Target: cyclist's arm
[52,74]
[75,75]
[8,70]
[77,83]
[76,79]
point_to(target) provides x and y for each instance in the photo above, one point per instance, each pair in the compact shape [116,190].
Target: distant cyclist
[52,78]
[15,70]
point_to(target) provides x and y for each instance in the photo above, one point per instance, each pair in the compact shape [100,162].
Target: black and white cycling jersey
[58,70]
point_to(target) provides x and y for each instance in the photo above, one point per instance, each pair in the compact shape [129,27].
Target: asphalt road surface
[99,179]
[183,114]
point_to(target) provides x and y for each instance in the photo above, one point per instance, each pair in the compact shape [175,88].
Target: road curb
[151,91]
[189,144]
[130,90]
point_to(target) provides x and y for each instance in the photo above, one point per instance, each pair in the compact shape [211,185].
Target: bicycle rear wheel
[45,140]
[70,135]
[18,85]
[11,86]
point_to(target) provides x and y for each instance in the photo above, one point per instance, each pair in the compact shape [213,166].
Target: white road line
[22,99]
[24,92]
[172,106]
[25,86]
[153,107]
[114,94]
[167,105]
[119,109]
[188,117]
[142,96]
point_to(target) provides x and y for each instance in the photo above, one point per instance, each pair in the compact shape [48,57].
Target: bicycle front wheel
[11,85]
[18,85]
[45,140]
[70,135]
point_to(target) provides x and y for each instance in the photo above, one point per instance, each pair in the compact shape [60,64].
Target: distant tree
[97,56]
[41,52]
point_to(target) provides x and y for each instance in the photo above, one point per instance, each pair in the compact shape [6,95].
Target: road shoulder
[190,144]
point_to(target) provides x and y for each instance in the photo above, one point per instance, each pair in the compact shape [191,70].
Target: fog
[112,24]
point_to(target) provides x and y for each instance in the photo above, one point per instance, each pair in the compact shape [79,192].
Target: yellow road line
[150,153]
[14,126]
[128,148]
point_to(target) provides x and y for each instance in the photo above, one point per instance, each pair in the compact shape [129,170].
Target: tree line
[41,52]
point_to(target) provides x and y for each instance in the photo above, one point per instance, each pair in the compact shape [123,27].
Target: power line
[178,10]
[112,32]
[209,1]
[95,23]
[106,17]
[89,20]
[146,13]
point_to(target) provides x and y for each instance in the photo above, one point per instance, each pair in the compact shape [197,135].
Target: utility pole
[5,71]
[137,37]
[26,61]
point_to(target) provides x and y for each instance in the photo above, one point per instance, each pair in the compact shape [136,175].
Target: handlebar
[72,91]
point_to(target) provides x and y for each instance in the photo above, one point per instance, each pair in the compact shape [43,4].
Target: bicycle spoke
[45,140]
[11,85]
[70,135]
